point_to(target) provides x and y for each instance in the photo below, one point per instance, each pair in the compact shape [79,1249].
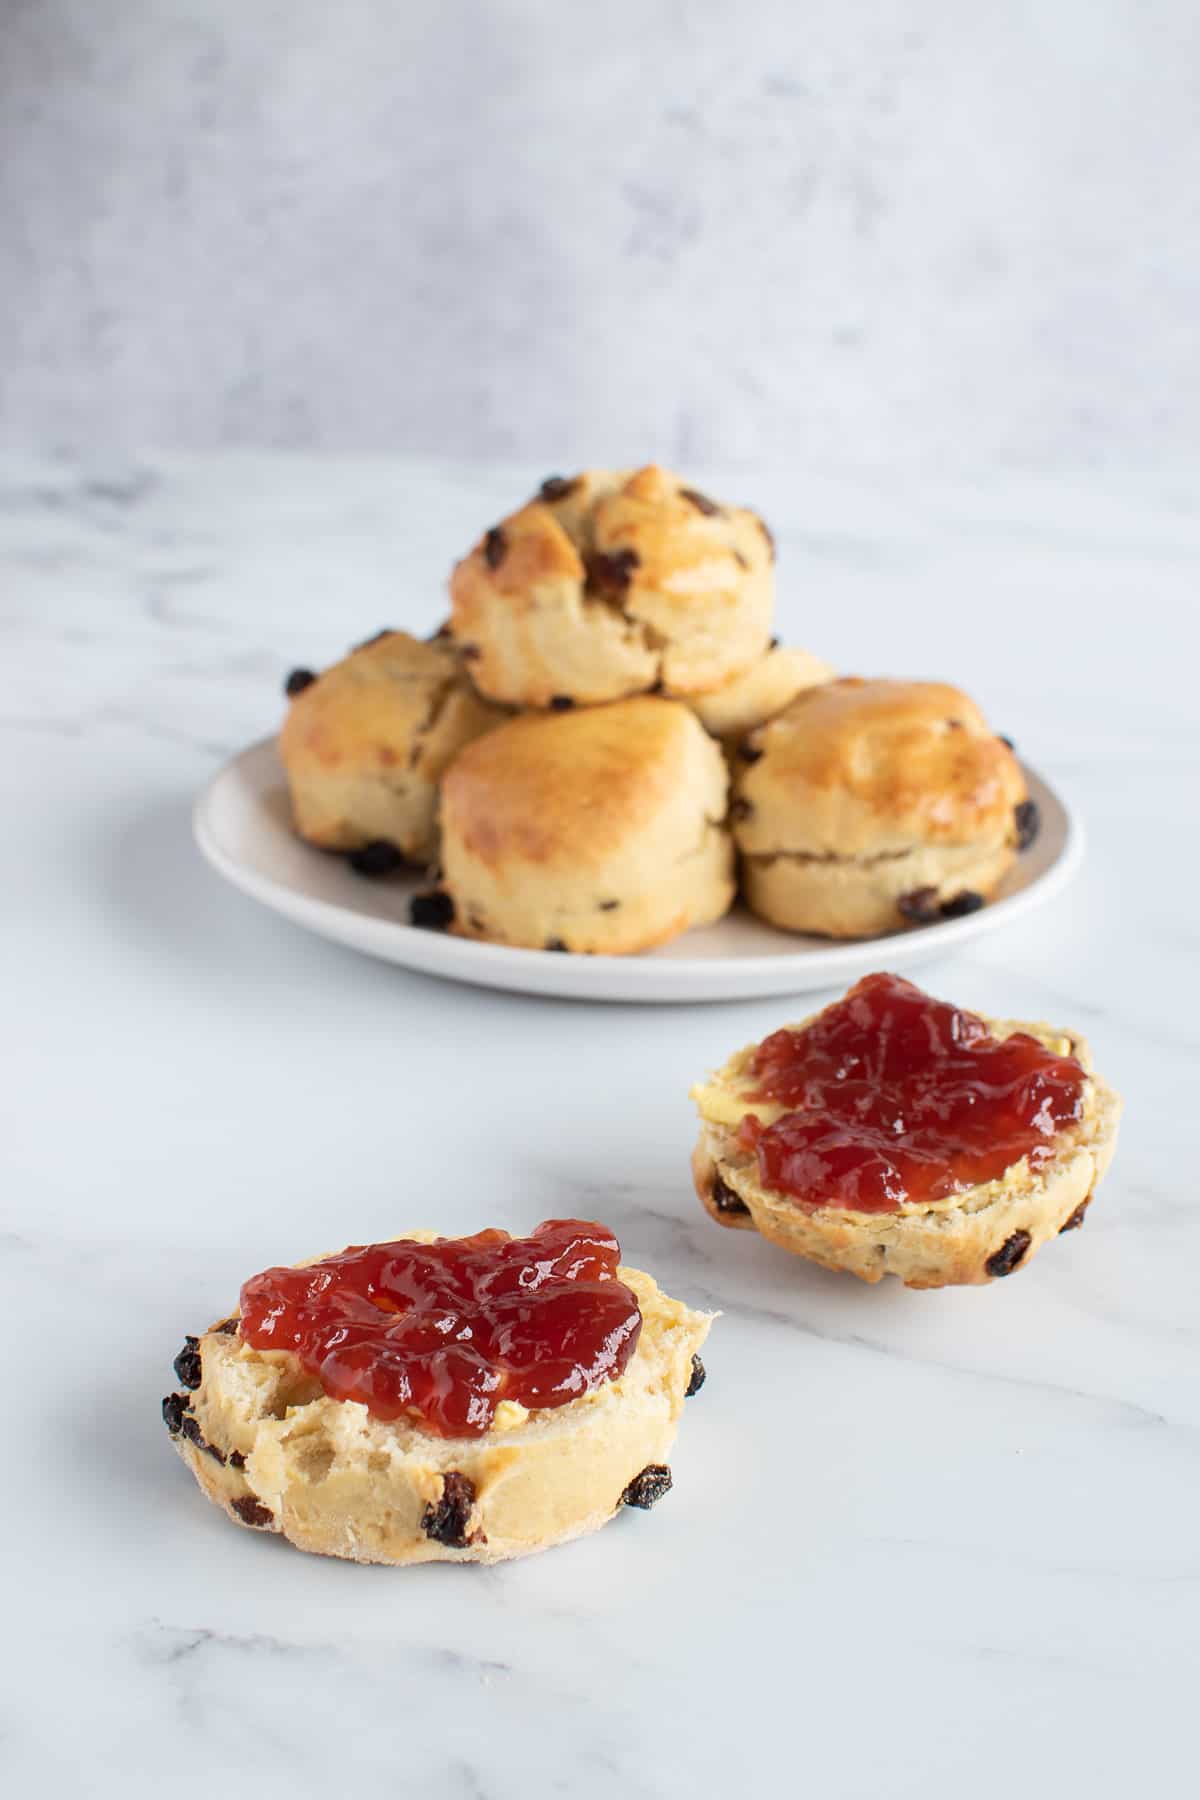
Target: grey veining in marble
[848,232]
[919,1544]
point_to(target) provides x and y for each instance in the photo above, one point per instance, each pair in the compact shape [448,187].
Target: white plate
[243,825]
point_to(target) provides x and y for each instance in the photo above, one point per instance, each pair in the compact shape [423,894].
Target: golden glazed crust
[364,746]
[337,1482]
[597,830]
[615,584]
[864,794]
[969,1238]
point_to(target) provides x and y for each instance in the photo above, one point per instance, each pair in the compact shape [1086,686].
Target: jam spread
[441,1333]
[894,1097]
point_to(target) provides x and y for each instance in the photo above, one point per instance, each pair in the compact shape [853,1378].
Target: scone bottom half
[844,1142]
[271,1445]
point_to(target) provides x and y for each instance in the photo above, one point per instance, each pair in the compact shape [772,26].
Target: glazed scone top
[862,768]
[611,583]
[395,703]
[569,790]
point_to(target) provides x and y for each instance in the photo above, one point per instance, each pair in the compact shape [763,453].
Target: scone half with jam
[894,1134]
[440,1399]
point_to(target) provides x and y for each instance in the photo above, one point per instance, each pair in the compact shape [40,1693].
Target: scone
[364,745]
[868,806]
[440,1400]
[612,584]
[759,692]
[599,830]
[893,1134]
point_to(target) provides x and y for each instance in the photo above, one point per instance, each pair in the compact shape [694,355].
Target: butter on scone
[760,692]
[894,1134]
[364,745]
[599,830]
[869,806]
[610,584]
[440,1399]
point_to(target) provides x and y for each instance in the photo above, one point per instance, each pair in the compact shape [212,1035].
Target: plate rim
[604,977]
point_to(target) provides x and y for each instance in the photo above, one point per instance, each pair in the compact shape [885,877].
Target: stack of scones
[606,731]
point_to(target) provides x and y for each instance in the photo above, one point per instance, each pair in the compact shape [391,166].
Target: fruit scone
[760,692]
[440,1399]
[895,1134]
[868,806]
[601,830]
[365,744]
[614,583]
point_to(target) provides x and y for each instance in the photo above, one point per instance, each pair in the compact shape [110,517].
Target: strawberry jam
[896,1098]
[439,1334]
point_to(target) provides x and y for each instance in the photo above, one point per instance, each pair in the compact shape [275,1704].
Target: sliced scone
[440,1399]
[894,1134]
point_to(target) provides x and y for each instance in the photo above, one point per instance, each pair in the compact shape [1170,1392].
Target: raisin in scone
[434,1399]
[759,693]
[365,744]
[868,806]
[600,830]
[893,1134]
[611,584]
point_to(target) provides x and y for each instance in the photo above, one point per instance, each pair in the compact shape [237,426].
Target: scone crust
[621,583]
[337,1482]
[943,1244]
[365,745]
[760,692]
[596,830]
[861,793]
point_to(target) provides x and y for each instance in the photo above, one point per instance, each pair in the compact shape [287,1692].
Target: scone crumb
[509,1414]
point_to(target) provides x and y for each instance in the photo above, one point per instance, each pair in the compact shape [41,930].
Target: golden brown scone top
[378,708]
[855,768]
[686,582]
[568,789]
[685,543]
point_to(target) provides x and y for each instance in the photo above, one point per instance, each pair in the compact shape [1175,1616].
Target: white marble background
[921,1546]
[852,231]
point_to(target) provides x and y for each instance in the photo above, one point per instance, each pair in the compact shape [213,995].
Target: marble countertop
[919,1544]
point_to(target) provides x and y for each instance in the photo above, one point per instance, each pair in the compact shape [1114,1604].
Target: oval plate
[242,823]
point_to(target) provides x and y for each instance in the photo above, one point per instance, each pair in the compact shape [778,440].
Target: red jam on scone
[441,1333]
[896,1098]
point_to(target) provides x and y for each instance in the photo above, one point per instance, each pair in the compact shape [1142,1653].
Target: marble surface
[918,1544]
[694,230]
